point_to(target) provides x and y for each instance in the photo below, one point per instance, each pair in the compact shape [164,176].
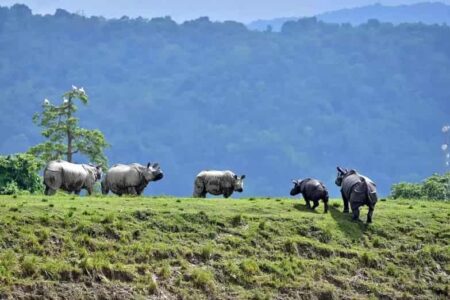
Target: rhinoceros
[60,174]
[217,183]
[130,179]
[312,190]
[358,190]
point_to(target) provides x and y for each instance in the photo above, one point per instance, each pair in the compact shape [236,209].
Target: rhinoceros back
[120,177]
[313,188]
[353,179]
[62,174]
[216,182]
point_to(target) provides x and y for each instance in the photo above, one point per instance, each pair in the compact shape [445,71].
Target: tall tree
[64,135]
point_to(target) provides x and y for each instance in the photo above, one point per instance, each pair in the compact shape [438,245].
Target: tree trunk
[69,132]
[69,146]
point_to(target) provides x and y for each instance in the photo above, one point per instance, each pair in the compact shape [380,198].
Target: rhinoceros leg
[49,191]
[105,188]
[90,190]
[308,205]
[199,189]
[77,192]
[325,204]
[369,215]
[355,205]
[346,210]
[316,203]
[132,191]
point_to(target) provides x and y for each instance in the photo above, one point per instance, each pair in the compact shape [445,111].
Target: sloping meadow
[171,248]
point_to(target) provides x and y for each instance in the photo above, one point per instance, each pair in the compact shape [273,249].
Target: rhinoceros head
[153,172]
[96,171]
[239,183]
[341,172]
[296,189]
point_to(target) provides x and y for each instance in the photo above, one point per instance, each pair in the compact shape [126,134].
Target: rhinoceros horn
[341,170]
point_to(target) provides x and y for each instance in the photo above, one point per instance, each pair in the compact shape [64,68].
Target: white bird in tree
[74,87]
[65,101]
[46,101]
[81,90]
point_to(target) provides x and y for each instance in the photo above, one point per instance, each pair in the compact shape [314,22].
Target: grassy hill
[166,248]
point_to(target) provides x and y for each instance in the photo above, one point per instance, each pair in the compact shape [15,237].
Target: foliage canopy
[19,172]
[64,136]
[203,95]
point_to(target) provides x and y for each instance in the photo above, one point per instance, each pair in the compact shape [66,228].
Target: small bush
[369,260]
[164,272]
[19,172]
[435,187]
[206,251]
[238,220]
[10,188]
[250,267]
[203,279]
[407,190]
[29,265]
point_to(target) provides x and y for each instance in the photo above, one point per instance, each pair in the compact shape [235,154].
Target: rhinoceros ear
[340,169]
[148,165]
[294,181]
[235,177]
[155,165]
[243,176]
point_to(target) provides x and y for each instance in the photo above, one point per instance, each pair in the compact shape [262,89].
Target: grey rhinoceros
[130,179]
[70,177]
[358,190]
[217,183]
[312,190]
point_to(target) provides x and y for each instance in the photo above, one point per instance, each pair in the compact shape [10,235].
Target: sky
[181,10]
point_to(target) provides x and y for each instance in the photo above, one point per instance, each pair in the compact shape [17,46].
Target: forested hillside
[425,12]
[198,95]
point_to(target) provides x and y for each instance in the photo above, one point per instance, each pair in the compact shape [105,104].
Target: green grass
[215,248]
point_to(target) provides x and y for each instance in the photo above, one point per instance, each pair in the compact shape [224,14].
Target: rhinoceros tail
[366,188]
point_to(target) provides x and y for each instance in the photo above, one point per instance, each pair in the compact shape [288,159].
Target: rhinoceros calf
[130,179]
[312,190]
[217,183]
[60,174]
[358,190]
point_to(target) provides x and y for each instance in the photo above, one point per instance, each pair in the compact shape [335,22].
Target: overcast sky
[180,10]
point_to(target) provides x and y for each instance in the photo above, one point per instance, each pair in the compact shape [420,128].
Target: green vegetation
[248,249]
[19,173]
[307,98]
[435,187]
[63,133]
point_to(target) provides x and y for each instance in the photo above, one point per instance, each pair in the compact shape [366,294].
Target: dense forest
[424,12]
[207,95]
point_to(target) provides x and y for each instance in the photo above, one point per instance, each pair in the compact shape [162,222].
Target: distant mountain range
[426,12]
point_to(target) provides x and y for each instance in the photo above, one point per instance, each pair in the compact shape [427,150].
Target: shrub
[203,279]
[29,265]
[407,190]
[250,267]
[10,188]
[19,172]
[238,220]
[435,187]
